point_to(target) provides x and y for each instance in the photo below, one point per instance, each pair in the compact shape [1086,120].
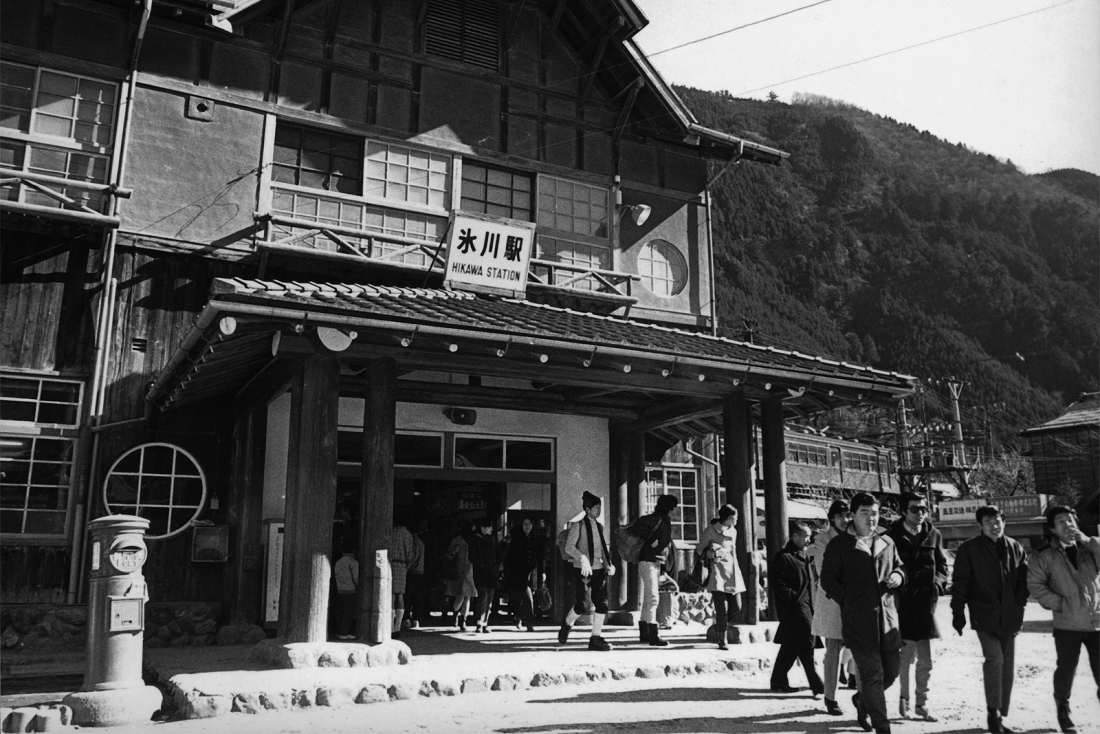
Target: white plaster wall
[582,443]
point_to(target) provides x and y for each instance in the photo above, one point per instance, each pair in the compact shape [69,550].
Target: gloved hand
[610,571]
[958,621]
[586,567]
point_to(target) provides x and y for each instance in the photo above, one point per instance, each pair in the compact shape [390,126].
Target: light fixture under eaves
[639,213]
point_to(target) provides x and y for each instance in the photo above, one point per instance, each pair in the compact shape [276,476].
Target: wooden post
[310,499]
[737,469]
[376,501]
[636,501]
[244,573]
[775,474]
[618,514]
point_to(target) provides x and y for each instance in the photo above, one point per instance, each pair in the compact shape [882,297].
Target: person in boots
[921,549]
[718,548]
[990,579]
[794,607]
[826,612]
[861,572]
[586,546]
[1065,578]
[656,527]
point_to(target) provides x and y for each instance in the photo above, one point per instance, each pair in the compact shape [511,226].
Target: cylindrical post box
[116,603]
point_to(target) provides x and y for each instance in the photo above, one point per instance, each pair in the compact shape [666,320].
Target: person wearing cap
[921,549]
[990,578]
[655,558]
[586,546]
[826,624]
[1065,578]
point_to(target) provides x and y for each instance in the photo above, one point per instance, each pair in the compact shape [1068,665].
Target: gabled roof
[575,355]
[1085,411]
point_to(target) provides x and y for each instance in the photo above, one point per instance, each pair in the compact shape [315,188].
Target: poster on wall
[273,570]
[489,254]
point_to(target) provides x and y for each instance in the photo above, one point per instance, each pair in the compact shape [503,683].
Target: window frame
[23,430]
[171,506]
[672,256]
[651,499]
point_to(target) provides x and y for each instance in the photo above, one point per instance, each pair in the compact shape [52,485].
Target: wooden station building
[267,260]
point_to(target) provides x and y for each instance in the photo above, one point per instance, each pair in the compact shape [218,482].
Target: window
[317,160]
[59,125]
[662,267]
[466,31]
[494,452]
[35,473]
[159,482]
[496,192]
[683,483]
[403,174]
[858,461]
[573,229]
[801,453]
[40,400]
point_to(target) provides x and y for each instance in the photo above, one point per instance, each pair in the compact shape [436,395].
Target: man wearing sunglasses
[921,549]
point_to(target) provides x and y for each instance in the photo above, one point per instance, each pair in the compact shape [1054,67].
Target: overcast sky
[1022,88]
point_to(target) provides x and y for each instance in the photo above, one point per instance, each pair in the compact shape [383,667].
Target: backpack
[629,543]
[563,541]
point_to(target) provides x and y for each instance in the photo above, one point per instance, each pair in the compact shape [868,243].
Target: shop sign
[488,254]
[1014,507]
[471,501]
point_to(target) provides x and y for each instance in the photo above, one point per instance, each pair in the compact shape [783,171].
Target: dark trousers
[521,604]
[726,607]
[595,587]
[347,610]
[485,596]
[415,597]
[998,670]
[878,669]
[1067,643]
[801,649]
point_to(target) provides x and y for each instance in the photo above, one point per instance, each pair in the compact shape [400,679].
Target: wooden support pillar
[310,499]
[619,513]
[737,470]
[774,461]
[244,573]
[635,508]
[376,501]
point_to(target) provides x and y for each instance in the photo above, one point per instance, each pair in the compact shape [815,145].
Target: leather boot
[643,632]
[654,638]
[994,723]
[1065,722]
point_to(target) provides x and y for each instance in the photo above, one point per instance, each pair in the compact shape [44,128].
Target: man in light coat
[586,546]
[921,549]
[1065,578]
[826,623]
[990,579]
[861,572]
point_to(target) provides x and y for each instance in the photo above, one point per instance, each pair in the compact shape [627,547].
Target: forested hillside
[881,244]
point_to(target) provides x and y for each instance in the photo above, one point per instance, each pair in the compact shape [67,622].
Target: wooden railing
[55,188]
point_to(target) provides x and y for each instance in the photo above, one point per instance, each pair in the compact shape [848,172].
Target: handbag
[629,543]
[700,572]
[543,600]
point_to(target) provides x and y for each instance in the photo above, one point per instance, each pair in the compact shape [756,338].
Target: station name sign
[489,254]
[1014,507]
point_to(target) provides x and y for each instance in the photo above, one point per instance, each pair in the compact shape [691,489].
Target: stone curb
[194,705]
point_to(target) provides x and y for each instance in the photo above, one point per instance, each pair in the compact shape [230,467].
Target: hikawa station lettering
[460,268]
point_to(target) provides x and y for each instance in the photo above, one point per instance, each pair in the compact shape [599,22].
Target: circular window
[157,481]
[662,267]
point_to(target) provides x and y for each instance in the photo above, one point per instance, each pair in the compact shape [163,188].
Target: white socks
[597,624]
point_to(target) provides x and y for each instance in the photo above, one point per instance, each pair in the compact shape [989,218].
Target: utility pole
[955,387]
[902,433]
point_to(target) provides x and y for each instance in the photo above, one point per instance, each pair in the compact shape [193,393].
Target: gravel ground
[697,704]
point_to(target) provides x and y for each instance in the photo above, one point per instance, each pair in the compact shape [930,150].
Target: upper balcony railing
[54,197]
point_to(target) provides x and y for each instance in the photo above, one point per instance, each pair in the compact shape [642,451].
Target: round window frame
[111,506]
[658,244]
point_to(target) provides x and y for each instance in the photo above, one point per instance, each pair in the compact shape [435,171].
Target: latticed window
[683,483]
[573,207]
[408,175]
[38,421]
[317,159]
[160,482]
[56,124]
[467,31]
[662,268]
[496,192]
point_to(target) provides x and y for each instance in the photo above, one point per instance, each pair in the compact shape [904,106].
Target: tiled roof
[506,316]
[1084,412]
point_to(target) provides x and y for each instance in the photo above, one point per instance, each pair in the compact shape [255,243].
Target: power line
[905,48]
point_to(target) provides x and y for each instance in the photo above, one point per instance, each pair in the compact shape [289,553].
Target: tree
[1004,475]
[773,97]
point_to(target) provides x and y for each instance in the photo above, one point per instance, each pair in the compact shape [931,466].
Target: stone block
[506,683]
[10,639]
[202,640]
[205,627]
[304,698]
[357,656]
[404,691]
[711,666]
[447,687]
[680,671]
[207,707]
[137,705]
[332,658]
[335,696]
[382,655]
[742,666]
[543,679]
[623,673]
[275,701]
[427,689]
[374,693]
[181,641]
[475,685]
[21,719]
[650,671]
[247,703]
[575,676]
[597,673]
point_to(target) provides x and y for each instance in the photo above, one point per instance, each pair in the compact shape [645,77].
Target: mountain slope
[883,244]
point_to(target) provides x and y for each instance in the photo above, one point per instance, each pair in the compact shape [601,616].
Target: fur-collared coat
[856,580]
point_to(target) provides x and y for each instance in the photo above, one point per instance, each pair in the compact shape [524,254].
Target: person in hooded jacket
[921,549]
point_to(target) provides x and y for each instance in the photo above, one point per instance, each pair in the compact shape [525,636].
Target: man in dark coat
[990,578]
[921,550]
[790,577]
[860,573]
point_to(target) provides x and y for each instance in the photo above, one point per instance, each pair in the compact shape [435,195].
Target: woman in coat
[718,548]
[522,572]
[485,559]
[460,583]
[826,623]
